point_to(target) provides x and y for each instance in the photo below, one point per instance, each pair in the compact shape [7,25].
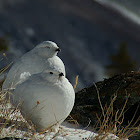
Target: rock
[87,103]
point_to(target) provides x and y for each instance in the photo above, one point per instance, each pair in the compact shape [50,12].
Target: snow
[67,131]
[64,134]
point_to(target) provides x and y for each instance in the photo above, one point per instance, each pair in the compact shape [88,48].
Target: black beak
[58,50]
[61,74]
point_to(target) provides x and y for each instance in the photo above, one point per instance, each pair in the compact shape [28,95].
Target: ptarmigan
[47,98]
[42,57]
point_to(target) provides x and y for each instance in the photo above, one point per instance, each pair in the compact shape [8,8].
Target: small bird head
[53,75]
[47,49]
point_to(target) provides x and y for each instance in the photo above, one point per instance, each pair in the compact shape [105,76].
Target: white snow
[67,131]
[64,133]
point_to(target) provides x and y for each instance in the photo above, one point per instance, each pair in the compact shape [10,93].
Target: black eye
[51,72]
[48,47]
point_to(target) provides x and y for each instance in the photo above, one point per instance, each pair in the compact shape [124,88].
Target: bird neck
[49,79]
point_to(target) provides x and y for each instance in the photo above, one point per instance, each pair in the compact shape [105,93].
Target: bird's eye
[51,72]
[48,47]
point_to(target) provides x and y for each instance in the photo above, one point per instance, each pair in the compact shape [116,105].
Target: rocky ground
[87,103]
[121,92]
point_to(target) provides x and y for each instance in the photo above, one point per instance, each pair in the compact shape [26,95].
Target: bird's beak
[58,50]
[61,74]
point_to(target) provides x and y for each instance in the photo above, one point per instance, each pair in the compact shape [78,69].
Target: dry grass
[11,119]
[76,82]
[111,122]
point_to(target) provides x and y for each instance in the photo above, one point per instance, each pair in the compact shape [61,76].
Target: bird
[43,56]
[46,99]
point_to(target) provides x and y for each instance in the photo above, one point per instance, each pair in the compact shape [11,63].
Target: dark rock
[87,103]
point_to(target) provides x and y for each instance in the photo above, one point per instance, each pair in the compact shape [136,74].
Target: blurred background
[98,38]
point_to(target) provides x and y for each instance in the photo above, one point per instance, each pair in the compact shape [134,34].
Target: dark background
[87,32]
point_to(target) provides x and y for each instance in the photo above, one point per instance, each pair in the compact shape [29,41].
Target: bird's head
[53,75]
[47,49]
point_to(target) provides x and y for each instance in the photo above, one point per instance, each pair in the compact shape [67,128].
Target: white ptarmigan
[43,56]
[47,97]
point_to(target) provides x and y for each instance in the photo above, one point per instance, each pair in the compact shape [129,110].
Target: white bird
[42,57]
[47,98]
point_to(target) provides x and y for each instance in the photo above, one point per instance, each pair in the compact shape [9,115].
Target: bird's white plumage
[47,98]
[43,56]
